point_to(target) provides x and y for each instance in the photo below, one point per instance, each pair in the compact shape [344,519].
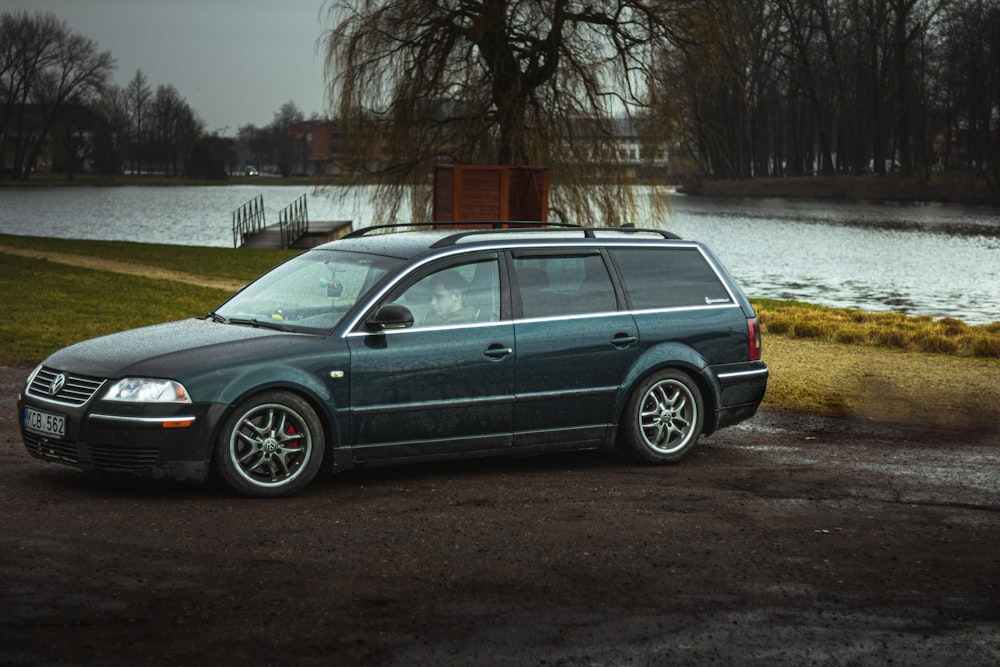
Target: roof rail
[588,232]
[494,225]
[629,227]
[508,226]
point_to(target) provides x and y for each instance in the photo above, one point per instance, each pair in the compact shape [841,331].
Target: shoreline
[945,188]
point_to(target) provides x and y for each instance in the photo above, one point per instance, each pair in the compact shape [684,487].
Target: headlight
[146,390]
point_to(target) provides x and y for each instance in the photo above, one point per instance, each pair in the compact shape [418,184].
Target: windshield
[310,293]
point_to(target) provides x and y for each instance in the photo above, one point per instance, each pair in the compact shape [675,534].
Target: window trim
[419,272]
[621,304]
[630,304]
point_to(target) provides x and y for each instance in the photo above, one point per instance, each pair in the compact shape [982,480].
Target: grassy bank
[822,360]
[224,263]
[50,303]
[886,330]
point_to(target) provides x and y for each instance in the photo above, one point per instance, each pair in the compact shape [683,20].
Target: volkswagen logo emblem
[58,382]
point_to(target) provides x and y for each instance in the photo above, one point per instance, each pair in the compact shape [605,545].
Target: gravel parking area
[792,539]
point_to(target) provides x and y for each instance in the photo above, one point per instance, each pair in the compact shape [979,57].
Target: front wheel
[271,446]
[662,419]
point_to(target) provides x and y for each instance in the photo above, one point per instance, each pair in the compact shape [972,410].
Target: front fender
[321,383]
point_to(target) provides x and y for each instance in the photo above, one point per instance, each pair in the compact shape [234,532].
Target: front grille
[77,390]
[118,459]
[55,450]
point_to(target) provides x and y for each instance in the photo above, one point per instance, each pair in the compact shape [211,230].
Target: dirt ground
[790,540]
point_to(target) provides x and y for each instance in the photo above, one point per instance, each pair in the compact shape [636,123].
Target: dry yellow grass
[867,382]
[887,329]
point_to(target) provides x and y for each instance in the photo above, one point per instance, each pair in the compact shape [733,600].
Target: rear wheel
[663,418]
[271,446]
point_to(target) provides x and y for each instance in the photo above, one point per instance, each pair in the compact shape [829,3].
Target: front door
[444,385]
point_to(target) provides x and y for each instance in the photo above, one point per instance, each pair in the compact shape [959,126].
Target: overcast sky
[234,61]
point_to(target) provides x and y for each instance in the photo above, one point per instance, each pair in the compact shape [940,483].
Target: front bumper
[156,440]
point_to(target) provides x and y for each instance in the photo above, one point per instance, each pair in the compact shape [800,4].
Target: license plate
[43,422]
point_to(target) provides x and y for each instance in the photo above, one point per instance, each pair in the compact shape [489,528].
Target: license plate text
[43,422]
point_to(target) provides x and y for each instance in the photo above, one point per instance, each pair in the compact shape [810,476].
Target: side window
[669,278]
[458,294]
[564,285]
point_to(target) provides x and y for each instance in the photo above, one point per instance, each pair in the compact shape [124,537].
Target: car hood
[167,350]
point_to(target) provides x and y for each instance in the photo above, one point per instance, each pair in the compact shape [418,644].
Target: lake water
[939,260]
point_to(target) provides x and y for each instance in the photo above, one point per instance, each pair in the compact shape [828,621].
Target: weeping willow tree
[507,82]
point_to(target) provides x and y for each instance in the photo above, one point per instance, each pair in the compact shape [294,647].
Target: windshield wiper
[259,324]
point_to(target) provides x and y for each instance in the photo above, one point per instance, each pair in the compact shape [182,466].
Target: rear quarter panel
[693,340]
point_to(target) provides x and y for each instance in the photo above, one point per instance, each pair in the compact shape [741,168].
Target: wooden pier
[317,233]
[293,230]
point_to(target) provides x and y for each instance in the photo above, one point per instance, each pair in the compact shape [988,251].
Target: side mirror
[390,316]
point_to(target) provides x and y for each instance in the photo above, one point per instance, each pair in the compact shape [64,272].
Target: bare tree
[912,20]
[44,68]
[26,42]
[211,158]
[138,94]
[971,90]
[113,146]
[818,86]
[284,150]
[248,145]
[175,129]
[512,82]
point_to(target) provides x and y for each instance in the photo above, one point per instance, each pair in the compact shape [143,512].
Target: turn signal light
[181,421]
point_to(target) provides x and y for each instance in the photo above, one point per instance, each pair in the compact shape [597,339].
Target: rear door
[574,347]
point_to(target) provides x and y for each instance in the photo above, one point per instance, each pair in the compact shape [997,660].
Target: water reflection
[933,259]
[199,216]
[936,260]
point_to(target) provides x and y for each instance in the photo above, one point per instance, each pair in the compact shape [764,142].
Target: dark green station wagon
[390,346]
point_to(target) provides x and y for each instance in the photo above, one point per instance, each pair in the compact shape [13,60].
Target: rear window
[669,278]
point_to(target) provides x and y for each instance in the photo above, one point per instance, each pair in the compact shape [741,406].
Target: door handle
[497,352]
[623,341]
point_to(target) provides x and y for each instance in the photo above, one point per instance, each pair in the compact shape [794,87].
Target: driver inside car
[447,294]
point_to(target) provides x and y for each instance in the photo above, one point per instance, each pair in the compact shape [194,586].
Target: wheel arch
[671,356]
[294,381]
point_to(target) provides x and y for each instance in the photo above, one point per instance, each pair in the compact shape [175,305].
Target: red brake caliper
[291,430]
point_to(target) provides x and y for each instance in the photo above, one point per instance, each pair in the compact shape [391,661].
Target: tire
[662,419]
[271,446]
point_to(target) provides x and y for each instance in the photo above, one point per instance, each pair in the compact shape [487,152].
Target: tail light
[753,337]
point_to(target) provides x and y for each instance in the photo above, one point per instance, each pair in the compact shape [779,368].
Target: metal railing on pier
[293,221]
[248,219]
